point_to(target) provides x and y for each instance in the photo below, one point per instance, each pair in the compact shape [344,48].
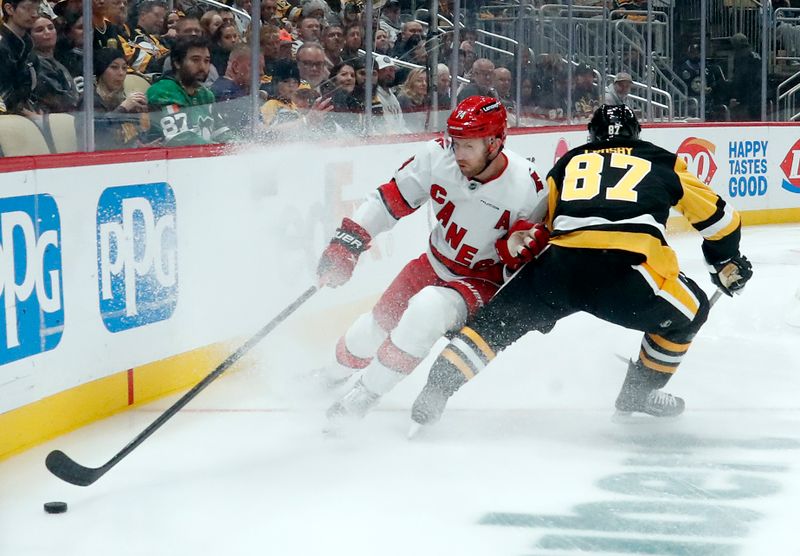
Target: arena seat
[19,136]
[62,129]
[135,84]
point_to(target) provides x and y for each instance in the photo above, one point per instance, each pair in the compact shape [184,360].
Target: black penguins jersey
[618,194]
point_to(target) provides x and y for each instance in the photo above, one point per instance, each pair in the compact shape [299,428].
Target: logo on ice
[31,299]
[137,255]
[699,157]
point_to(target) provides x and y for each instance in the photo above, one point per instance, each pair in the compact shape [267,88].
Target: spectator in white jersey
[392,120]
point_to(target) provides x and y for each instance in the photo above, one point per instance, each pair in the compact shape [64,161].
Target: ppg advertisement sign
[31,297]
[137,255]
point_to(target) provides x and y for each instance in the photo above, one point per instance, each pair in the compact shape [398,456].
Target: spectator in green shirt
[185,113]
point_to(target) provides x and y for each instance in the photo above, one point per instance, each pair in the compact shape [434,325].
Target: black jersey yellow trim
[660,257]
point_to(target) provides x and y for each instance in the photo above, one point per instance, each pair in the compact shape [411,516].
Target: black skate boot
[641,393]
[354,404]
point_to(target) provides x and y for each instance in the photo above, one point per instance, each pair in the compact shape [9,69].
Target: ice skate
[428,407]
[353,405]
[638,395]
[656,403]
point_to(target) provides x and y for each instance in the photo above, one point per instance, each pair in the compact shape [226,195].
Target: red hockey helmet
[476,117]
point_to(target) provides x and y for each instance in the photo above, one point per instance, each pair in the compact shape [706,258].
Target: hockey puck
[55,507]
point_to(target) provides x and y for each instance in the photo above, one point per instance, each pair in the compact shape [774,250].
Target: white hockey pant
[430,314]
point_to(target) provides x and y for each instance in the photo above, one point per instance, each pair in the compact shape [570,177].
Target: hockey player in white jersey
[489,205]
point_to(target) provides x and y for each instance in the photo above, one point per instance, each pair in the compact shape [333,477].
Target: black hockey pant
[607,284]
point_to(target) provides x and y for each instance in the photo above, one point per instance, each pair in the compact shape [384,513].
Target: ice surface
[525,461]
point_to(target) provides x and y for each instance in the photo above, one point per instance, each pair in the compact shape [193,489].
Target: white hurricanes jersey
[470,216]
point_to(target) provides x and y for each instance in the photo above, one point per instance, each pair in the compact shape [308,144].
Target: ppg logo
[31,298]
[137,255]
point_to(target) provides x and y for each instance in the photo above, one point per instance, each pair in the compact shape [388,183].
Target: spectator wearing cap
[285,81]
[67,8]
[618,91]
[119,118]
[232,89]
[55,89]
[18,63]
[392,121]
[501,81]
[311,64]
[285,45]
[585,99]
[481,84]
[187,112]
[745,84]
[147,51]
[390,20]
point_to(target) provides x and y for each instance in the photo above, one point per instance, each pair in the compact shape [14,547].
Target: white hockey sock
[379,379]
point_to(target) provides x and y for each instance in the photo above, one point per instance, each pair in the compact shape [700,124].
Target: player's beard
[472,169]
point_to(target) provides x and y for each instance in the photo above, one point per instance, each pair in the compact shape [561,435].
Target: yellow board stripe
[32,424]
[459,363]
[650,364]
[666,344]
[479,341]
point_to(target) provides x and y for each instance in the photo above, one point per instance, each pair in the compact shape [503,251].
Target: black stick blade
[66,469]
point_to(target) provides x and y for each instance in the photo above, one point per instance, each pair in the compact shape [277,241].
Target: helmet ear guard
[613,121]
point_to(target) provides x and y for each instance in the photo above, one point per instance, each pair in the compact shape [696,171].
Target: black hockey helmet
[612,121]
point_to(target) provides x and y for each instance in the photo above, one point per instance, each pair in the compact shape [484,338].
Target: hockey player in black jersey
[608,256]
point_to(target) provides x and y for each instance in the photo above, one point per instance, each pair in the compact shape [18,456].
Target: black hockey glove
[732,274]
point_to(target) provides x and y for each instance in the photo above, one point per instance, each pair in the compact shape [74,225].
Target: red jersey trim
[492,273]
[394,201]
[500,173]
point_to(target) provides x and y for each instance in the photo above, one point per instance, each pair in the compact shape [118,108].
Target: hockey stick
[716,295]
[66,469]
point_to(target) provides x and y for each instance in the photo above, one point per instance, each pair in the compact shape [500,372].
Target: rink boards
[125,276]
